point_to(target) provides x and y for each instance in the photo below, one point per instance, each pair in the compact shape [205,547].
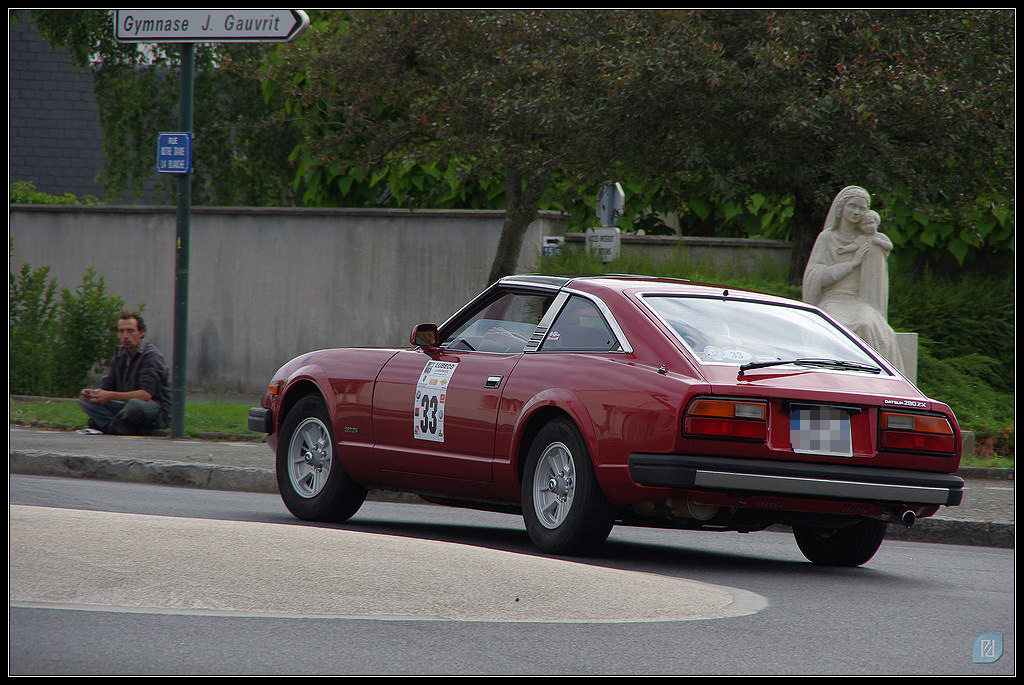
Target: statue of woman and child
[847,276]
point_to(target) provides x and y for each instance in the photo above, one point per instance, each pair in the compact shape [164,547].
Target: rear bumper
[796,479]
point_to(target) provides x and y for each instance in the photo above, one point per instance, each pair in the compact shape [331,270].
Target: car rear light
[726,418]
[908,432]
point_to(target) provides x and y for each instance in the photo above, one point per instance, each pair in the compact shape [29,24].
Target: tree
[514,95]
[917,106]
[680,105]
[239,158]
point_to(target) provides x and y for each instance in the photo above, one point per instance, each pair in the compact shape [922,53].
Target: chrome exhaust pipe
[904,517]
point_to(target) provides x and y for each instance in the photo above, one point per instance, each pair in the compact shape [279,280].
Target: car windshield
[735,331]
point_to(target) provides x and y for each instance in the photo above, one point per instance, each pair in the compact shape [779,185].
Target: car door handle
[492,381]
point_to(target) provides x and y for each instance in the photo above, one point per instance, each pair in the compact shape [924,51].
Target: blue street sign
[174,153]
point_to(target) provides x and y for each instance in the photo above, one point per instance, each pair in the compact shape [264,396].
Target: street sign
[610,202]
[174,150]
[208,26]
[174,153]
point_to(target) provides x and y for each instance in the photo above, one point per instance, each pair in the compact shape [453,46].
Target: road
[118,578]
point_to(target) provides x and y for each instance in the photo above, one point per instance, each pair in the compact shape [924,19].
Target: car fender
[612,476]
[546,403]
[344,378]
[297,383]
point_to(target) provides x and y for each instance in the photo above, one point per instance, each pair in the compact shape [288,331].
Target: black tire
[563,506]
[850,546]
[310,478]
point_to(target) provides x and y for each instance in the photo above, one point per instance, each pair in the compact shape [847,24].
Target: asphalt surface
[985,518]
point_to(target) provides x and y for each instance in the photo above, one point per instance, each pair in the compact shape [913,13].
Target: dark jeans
[123,418]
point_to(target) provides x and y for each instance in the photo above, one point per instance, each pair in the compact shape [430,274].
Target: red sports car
[588,402]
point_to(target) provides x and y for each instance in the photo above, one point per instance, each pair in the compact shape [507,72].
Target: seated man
[134,395]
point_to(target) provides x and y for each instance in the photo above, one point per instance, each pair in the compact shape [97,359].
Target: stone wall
[269,284]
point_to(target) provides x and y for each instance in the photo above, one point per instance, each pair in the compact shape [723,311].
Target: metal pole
[182,252]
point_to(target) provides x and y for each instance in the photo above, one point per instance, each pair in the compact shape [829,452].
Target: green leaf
[958,248]
[700,207]
[731,210]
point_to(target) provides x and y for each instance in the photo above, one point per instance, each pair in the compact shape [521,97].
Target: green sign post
[189,27]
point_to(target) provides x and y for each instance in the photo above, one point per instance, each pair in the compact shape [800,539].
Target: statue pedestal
[908,348]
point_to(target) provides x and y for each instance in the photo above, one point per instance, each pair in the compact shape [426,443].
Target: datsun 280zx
[584,403]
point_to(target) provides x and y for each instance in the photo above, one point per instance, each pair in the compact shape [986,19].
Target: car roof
[632,283]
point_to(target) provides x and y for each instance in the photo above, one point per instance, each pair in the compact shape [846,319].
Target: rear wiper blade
[824,363]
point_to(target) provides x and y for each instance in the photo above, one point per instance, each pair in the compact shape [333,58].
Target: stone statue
[847,275]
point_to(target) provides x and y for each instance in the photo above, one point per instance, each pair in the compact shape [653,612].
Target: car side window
[503,324]
[579,327]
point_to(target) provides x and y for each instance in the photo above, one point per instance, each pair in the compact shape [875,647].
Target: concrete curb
[957,532]
[998,534]
[153,472]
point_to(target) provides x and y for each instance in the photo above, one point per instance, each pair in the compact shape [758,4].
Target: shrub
[56,345]
[25,193]
[968,315]
[32,326]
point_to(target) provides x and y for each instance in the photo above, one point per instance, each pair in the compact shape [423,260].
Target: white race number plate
[431,390]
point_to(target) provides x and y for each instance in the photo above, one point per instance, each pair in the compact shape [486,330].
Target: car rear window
[579,327]
[728,330]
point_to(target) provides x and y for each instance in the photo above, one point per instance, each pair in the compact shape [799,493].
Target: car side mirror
[425,335]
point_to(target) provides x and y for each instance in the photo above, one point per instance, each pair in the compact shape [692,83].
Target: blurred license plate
[821,430]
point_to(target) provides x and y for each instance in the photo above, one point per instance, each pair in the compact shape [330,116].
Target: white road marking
[88,560]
